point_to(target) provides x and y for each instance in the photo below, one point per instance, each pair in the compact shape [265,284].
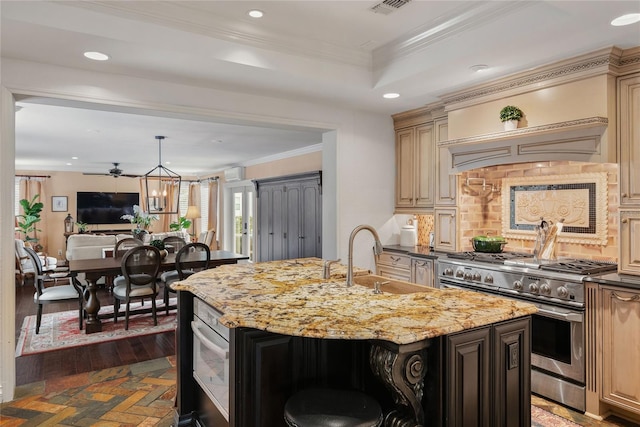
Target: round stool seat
[332,408]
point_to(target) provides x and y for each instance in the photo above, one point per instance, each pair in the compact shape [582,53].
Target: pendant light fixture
[162,186]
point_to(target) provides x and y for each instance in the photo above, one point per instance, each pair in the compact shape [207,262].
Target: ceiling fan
[115,172]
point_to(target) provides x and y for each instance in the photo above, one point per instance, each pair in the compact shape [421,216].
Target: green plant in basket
[182,224]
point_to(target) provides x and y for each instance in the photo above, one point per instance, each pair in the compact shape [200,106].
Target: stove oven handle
[221,352]
[569,317]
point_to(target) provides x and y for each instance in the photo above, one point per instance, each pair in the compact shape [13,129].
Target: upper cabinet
[446,182]
[414,169]
[629,134]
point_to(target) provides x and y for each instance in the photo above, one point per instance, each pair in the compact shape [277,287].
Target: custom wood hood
[582,140]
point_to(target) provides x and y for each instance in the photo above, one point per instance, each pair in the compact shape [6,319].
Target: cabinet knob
[624,195]
[625,220]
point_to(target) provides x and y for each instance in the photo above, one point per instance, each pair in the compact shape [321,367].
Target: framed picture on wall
[58,203]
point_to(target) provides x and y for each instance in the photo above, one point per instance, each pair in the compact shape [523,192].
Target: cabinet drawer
[394,260]
[394,273]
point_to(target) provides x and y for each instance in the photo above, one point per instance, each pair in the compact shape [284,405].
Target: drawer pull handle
[625,299]
[626,220]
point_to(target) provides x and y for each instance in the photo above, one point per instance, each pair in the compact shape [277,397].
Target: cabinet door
[424,174]
[446,184]
[294,221]
[404,167]
[512,373]
[629,107]
[629,260]
[422,272]
[468,384]
[620,347]
[271,222]
[311,213]
[446,230]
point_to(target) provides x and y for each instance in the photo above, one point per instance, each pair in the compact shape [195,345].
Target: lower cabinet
[620,349]
[488,376]
[422,271]
[394,265]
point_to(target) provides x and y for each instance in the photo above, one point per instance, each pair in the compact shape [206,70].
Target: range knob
[477,277]
[488,278]
[533,287]
[459,273]
[545,289]
[448,271]
[467,276]
[563,292]
[517,285]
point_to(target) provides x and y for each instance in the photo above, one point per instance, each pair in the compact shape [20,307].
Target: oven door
[211,364]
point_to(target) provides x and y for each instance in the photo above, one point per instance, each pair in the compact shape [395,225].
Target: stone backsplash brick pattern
[481,209]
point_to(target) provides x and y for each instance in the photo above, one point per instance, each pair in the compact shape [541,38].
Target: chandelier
[162,187]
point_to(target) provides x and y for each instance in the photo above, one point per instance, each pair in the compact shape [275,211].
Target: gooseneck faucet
[377,250]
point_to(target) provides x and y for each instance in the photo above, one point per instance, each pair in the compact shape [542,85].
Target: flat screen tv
[104,207]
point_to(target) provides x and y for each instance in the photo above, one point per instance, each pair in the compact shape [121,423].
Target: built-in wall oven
[558,328]
[211,355]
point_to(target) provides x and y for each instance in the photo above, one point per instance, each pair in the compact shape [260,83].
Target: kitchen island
[290,328]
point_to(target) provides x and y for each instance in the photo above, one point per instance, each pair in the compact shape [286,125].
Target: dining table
[96,268]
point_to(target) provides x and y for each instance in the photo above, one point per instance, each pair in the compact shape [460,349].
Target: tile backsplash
[425,226]
[481,206]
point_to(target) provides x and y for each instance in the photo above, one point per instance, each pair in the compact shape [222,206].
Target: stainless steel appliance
[211,355]
[558,330]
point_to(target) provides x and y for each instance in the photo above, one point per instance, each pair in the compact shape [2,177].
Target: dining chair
[121,248]
[140,266]
[185,266]
[52,294]
[175,242]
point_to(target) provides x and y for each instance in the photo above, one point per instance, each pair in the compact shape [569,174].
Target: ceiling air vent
[387,6]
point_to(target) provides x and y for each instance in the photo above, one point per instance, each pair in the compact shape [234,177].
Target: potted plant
[31,216]
[82,227]
[160,245]
[510,115]
[182,224]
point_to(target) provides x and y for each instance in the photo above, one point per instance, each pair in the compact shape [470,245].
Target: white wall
[361,178]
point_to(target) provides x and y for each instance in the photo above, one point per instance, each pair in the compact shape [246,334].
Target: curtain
[213,211]
[143,199]
[29,187]
[194,200]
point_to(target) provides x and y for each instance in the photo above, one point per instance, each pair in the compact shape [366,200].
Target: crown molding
[285,155]
[603,61]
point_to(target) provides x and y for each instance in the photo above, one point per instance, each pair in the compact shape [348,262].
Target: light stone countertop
[290,297]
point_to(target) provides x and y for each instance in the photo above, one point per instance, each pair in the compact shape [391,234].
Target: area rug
[60,330]
[542,418]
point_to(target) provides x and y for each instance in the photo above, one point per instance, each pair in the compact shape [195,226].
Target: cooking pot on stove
[490,244]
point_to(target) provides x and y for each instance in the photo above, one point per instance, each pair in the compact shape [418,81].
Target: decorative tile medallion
[579,200]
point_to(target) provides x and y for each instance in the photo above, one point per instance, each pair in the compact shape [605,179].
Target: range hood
[582,140]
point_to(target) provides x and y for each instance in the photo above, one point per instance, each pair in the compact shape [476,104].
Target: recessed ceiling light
[628,19]
[391,95]
[255,13]
[96,56]
[479,68]
[74,158]
[69,164]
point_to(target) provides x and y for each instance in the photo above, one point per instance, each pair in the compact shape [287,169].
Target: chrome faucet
[377,250]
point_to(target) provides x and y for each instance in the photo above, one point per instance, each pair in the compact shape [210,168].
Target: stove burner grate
[492,258]
[579,266]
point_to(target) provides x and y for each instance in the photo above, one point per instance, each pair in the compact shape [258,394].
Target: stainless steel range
[557,289]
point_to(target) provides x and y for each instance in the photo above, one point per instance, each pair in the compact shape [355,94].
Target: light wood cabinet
[629,260]
[621,347]
[446,229]
[422,271]
[629,149]
[394,265]
[446,186]
[629,126]
[414,169]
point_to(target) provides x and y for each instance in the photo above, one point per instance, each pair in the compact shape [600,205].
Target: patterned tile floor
[142,394]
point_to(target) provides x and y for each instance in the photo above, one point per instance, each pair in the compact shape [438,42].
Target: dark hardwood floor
[55,364]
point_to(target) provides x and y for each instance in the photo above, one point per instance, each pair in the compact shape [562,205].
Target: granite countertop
[290,297]
[615,279]
[418,251]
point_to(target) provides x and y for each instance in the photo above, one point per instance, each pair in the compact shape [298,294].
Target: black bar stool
[335,408]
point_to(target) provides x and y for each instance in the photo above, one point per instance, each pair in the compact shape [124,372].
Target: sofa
[88,246]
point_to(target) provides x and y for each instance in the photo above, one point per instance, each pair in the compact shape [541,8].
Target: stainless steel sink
[390,286]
